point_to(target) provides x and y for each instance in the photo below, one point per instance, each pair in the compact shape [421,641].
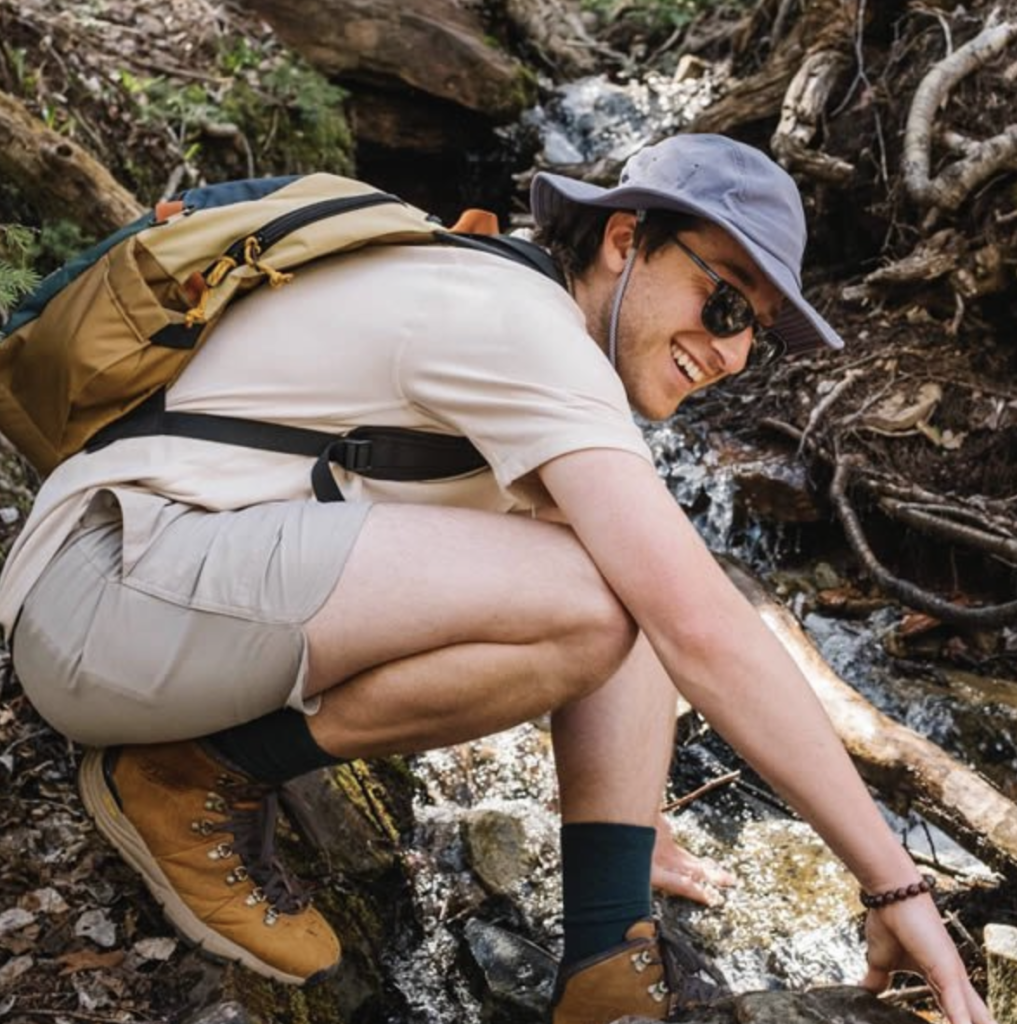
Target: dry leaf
[90,960]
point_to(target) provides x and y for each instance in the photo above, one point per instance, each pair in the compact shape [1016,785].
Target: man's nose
[733,352]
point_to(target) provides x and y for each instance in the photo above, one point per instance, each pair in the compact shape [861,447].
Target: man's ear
[619,237]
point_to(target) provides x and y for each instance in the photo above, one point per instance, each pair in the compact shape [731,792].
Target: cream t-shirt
[430,338]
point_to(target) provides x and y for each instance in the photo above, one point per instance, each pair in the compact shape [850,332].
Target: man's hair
[574,236]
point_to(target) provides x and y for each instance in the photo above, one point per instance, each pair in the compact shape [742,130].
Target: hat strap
[619,294]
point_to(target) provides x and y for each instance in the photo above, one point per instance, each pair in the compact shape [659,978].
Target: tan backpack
[109,332]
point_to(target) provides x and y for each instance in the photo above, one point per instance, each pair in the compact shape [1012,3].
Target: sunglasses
[728,312]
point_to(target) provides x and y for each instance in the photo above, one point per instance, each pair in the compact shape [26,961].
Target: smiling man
[188,610]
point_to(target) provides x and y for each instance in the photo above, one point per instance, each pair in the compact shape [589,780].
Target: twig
[952,917]
[913,994]
[684,801]
[821,408]
[957,533]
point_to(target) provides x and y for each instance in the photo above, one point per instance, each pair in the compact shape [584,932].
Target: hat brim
[799,325]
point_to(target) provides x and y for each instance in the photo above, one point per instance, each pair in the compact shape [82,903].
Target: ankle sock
[605,884]
[274,748]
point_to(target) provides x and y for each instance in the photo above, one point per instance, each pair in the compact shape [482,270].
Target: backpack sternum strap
[380,453]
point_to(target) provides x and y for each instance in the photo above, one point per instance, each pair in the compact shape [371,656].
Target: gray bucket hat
[723,181]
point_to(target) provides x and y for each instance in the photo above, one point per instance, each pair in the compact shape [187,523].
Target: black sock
[605,884]
[274,748]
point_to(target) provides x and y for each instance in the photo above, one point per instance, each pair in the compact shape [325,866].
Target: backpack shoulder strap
[519,250]
[381,453]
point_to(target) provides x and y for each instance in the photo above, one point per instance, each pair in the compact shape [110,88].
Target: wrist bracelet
[873,901]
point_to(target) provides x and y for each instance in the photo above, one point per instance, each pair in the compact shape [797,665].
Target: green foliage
[296,114]
[268,112]
[17,276]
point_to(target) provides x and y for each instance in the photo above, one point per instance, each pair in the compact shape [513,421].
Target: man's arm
[727,664]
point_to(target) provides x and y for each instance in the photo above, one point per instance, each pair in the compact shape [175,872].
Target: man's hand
[680,873]
[909,936]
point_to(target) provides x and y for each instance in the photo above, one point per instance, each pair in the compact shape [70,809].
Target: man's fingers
[681,883]
[876,979]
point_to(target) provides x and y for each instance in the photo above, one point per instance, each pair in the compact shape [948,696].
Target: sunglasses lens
[727,312]
[767,348]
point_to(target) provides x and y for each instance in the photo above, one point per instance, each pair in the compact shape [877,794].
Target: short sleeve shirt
[423,337]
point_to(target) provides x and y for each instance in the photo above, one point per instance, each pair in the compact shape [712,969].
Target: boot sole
[101,804]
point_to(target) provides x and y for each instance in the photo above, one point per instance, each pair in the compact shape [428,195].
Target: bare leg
[613,748]
[613,751]
[449,624]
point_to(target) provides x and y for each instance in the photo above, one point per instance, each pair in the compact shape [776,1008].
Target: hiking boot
[202,838]
[652,974]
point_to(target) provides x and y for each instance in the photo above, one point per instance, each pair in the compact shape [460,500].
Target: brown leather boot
[649,975]
[200,836]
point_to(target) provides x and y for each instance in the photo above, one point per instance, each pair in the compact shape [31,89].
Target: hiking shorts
[203,632]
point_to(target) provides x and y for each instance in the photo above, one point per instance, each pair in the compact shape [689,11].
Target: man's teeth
[687,364]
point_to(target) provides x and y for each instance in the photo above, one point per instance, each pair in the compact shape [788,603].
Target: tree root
[921,510]
[949,189]
[804,104]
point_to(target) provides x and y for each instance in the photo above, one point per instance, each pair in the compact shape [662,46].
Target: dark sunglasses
[728,312]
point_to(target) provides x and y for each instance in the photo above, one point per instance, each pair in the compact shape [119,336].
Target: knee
[603,638]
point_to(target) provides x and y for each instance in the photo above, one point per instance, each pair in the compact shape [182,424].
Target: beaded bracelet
[883,899]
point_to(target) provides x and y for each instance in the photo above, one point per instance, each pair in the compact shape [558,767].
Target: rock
[845,1004]
[497,849]
[440,48]
[226,1012]
[1001,954]
[518,975]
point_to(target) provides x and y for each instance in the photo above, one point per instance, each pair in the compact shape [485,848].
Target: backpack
[86,358]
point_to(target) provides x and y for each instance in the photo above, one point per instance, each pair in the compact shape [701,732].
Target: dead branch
[824,405]
[907,770]
[804,103]
[707,787]
[57,175]
[908,593]
[931,259]
[934,514]
[952,186]
[957,533]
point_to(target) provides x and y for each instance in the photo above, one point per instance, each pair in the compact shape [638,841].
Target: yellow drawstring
[251,253]
[199,314]
[226,264]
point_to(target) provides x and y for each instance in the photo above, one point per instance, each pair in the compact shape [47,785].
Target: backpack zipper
[277,229]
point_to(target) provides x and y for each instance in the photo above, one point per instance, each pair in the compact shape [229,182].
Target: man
[190,610]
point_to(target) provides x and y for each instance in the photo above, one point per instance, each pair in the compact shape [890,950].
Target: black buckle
[356,455]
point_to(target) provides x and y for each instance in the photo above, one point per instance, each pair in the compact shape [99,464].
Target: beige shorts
[205,630]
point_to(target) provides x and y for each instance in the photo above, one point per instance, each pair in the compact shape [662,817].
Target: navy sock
[605,884]
[274,748]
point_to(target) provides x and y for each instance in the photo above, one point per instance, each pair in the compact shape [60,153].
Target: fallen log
[57,175]
[908,771]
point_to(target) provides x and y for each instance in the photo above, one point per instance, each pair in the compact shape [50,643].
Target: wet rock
[497,850]
[518,975]
[775,489]
[840,1004]
[1001,954]
[222,1013]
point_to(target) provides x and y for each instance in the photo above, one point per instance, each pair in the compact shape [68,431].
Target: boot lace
[690,979]
[252,810]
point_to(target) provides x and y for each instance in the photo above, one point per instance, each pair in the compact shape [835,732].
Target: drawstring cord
[619,294]
[223,267]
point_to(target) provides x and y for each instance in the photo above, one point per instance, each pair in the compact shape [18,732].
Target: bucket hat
[728,183]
